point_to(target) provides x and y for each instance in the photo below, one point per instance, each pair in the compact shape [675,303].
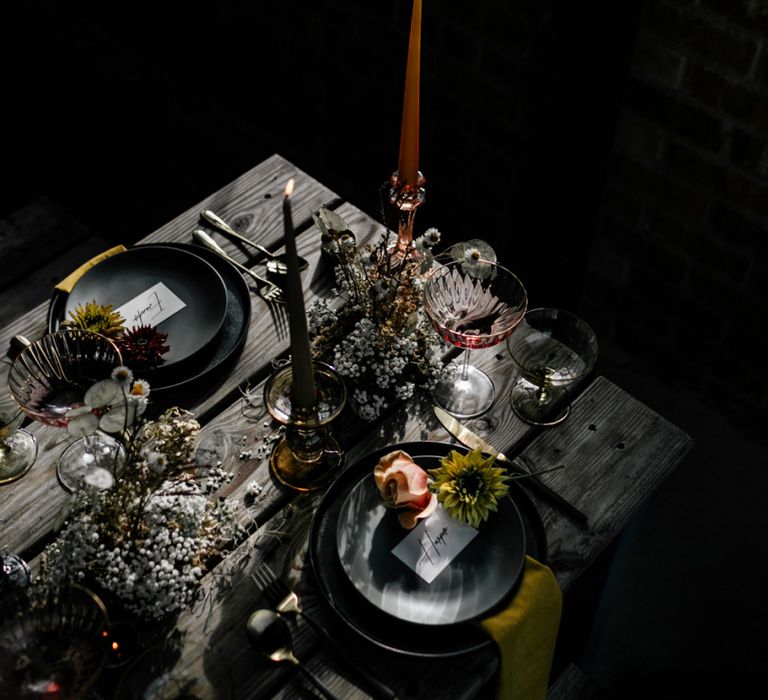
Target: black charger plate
[226,345]
[192,279]
[365,618]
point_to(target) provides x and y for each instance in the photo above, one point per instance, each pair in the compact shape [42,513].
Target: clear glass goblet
[49,377]
[553,349]
[471,304]
[18,448]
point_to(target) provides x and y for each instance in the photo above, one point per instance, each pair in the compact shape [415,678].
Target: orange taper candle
[408,165]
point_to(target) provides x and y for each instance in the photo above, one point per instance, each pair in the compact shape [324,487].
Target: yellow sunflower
[469,486]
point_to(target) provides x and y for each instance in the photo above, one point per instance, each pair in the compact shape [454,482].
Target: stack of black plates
[385,601]
[209,329]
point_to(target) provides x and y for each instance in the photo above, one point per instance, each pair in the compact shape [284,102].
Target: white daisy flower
[432,236]
[140,388]
[157,462]
[472,254]
[122,374]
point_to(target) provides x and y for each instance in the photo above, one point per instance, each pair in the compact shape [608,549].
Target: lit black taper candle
[304,396]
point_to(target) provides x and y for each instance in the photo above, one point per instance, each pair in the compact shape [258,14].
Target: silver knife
[472,440]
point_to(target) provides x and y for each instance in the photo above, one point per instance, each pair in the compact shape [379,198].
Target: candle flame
[289,188]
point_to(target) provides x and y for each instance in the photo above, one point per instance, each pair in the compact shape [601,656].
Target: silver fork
[285,600]
[268,291]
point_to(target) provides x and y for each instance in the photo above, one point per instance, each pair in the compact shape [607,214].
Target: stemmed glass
[553,349]
[471,304]
[18,448]
[51,645]
[49,377]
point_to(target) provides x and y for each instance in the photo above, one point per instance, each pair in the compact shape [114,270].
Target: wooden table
[616,450]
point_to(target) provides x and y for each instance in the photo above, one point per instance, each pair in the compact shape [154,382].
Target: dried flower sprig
[148,539]
[111,405]
[374,331]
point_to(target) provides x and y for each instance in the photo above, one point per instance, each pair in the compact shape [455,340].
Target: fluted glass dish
[54,647]
[471,305]
[50,376]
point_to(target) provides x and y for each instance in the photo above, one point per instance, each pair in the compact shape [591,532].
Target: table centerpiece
[373,330]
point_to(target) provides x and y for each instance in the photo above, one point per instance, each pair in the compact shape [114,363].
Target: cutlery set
[286,601]
[276,262]
[268,291]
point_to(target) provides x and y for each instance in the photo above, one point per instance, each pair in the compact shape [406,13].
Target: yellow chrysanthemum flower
[469,486]
[98,318]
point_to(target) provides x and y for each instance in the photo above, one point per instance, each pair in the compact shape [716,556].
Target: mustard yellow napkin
[526,633]
[71,279]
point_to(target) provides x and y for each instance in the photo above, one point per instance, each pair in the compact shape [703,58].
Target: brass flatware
[285,600]
[276,264]
[474,441]
[268,291]
[269,634]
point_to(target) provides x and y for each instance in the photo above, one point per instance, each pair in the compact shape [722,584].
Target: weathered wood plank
[574,684]
[617,451]
[253,202]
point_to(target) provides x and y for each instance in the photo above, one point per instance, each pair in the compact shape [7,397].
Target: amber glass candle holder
[308,457]
[406,199]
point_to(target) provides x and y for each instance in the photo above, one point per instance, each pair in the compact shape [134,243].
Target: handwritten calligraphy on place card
[433,544]
[152,307]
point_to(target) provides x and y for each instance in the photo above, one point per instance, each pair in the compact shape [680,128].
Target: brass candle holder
[406,198]
[308,457]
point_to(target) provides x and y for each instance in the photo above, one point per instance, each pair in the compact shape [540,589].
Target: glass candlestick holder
[308,457]
[406,198]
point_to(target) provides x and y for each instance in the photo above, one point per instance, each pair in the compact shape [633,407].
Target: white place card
[433,544]
[151,307]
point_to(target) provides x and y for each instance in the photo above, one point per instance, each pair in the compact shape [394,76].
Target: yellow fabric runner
[72,278]
[526,633]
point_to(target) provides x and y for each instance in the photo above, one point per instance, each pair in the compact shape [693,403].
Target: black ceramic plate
[121,278]
[379,627]
[476,580]
[225,346]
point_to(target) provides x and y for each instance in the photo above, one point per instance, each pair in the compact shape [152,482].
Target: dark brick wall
[679,263]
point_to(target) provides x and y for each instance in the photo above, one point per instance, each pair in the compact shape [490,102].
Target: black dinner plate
[167,381]
[375,625]
[198,284]
[474,581]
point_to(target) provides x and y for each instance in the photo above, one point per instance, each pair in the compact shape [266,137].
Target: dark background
[144,108]
[614,154]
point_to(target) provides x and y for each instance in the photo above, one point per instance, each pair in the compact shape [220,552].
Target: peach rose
[403,485]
